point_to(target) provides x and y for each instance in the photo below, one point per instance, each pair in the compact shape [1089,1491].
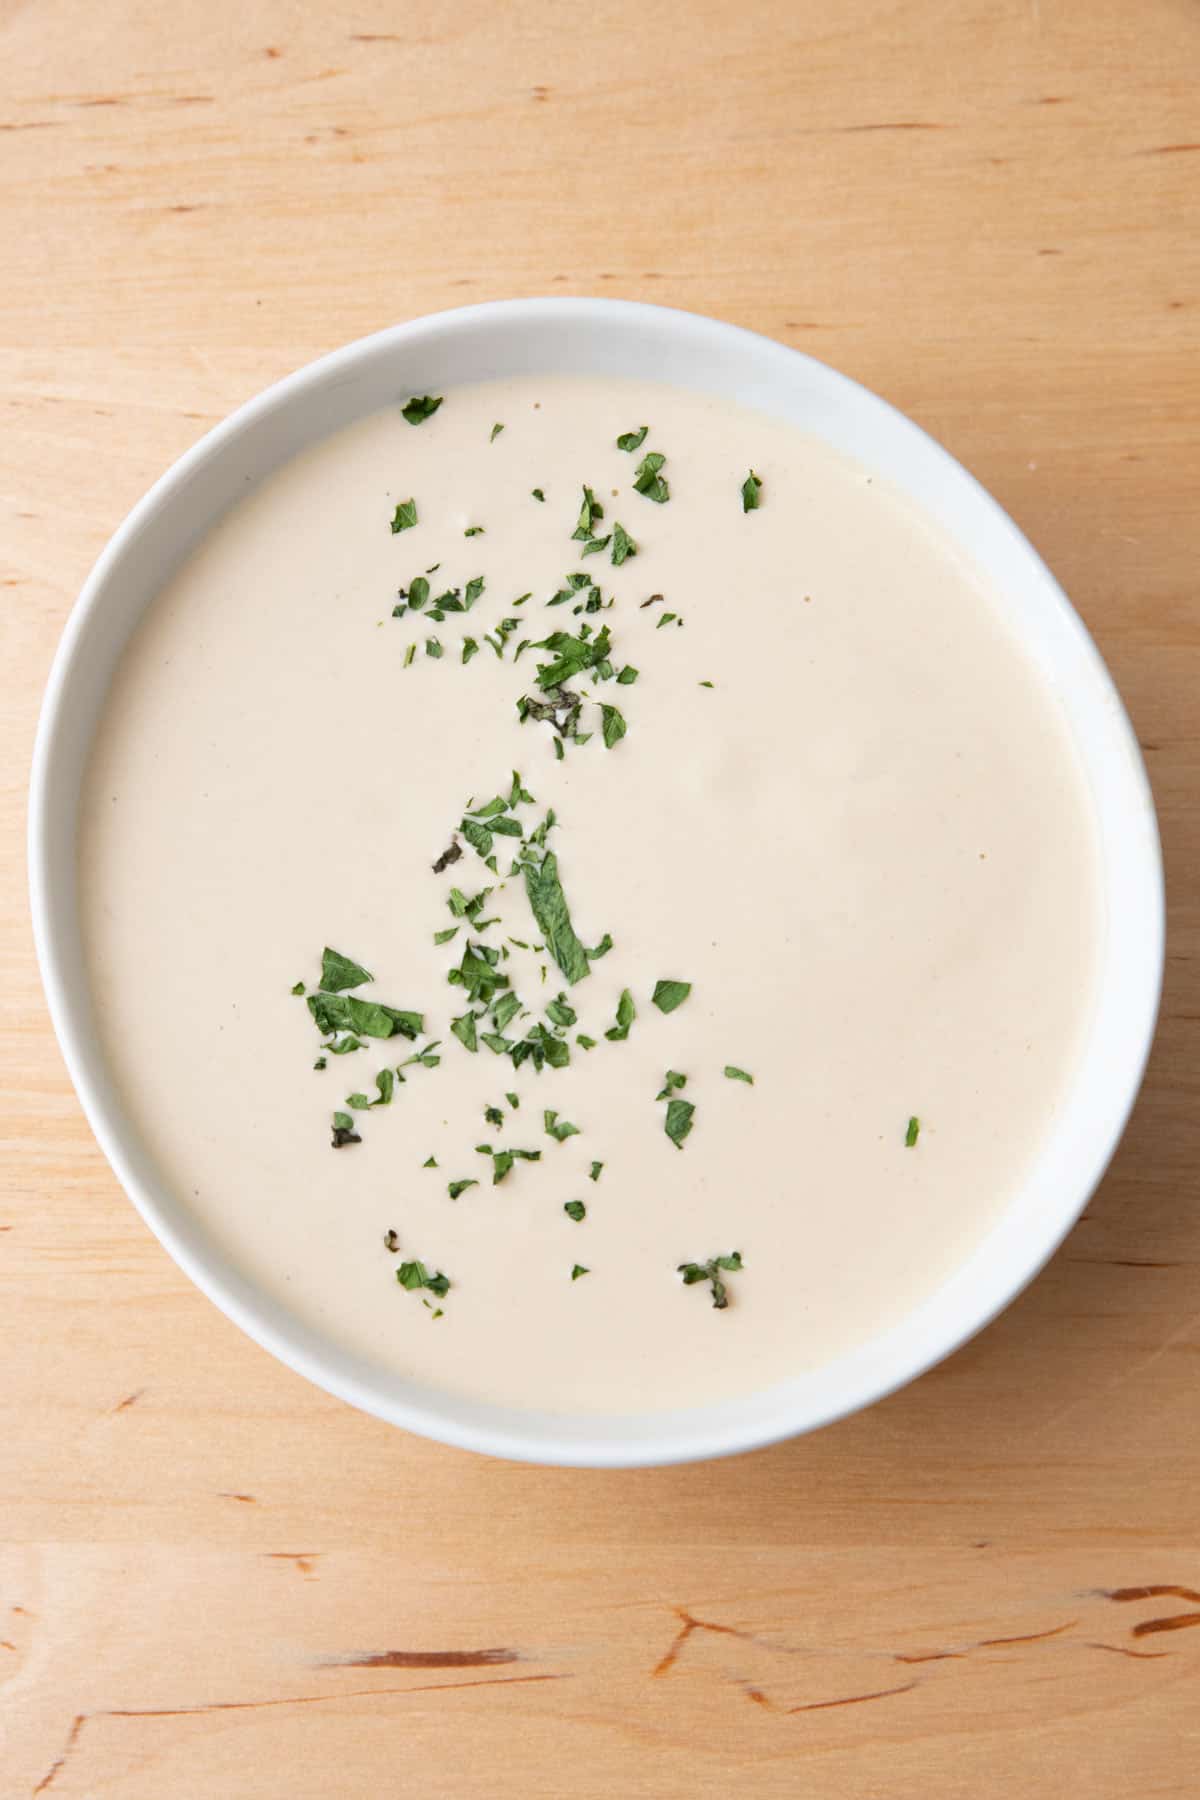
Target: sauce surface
[867,846]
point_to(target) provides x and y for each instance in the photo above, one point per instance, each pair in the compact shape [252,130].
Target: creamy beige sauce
[867,846]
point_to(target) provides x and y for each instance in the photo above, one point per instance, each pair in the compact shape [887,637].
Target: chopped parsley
[469,649]
[613,726]
[575,1209]
[537,493]
[433,647]
[548,904]
[647,479]
[623,546]
[594,1171]
[579,1270]
[632,440]
[711,1271]
[496,430]
[751,492]
[589,513]
[513,1100]
[338,972]
[343,1131]
[455,1188]
[503,1160]
[913,1132]
[678,1122]
[385,1081]
[299,988]
[463,1029]
[626,1014]
[628,676]
[668,995]
[735,1074]
[421,407]
[404,517]
[559,1129]
[430,1162]
[414,1275]
[448,856]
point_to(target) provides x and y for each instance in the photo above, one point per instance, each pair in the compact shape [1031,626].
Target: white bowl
[607,337]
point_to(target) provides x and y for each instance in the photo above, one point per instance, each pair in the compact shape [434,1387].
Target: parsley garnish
[413,1275]
[385,1081]
[537,493]
[579,1270]
[496,430]
[503,1160]
[338,972]
[473,531]
[549,906]
[470,647]
[343,1131]
[628,676]
[559,1129]
[647,479]
[430,1162]
[613,727]
[405,516]
[631,440]
[594,1171]
[575,1209]
[751,493]
[679,1120]
[623,546]
[735,1074]
[668,995]
[299,988]
[710,1271]
[464,1030]
[448,856]
[421,407]
[626,1014]
[433,647]
[913,1132]
[455,1188]
[589,512]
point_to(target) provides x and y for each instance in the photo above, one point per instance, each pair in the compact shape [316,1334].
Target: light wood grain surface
[215,1581]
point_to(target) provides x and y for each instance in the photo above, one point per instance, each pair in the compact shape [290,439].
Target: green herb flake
[414,1275]
[706,684]
[443,937]
[623,546]
[470,648]
[537,493]
[385,1081]
[614,726]
[668,995]
[410,655]
[548,904]
[513,1101]
[404,517]
[433,648]
[343,1131]
[474,531]
[455,1188]
[590,511]
[299,988]
[575,1209]
[421,407]
[628,676]
[735,1074]
[647,479]
[594,1171]
[430,1162]
[339,972]
[585,1042]
[579,1270]
[320,1063]
[626,1014]
[751,492]
[495,432]
[711,1272]
[678,1122]
[913,1132]
[559,1129]
[632,440]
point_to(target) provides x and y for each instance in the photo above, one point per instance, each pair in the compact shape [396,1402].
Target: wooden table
[215,1581]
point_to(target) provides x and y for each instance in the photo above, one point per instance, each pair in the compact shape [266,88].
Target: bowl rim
[584,1440]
